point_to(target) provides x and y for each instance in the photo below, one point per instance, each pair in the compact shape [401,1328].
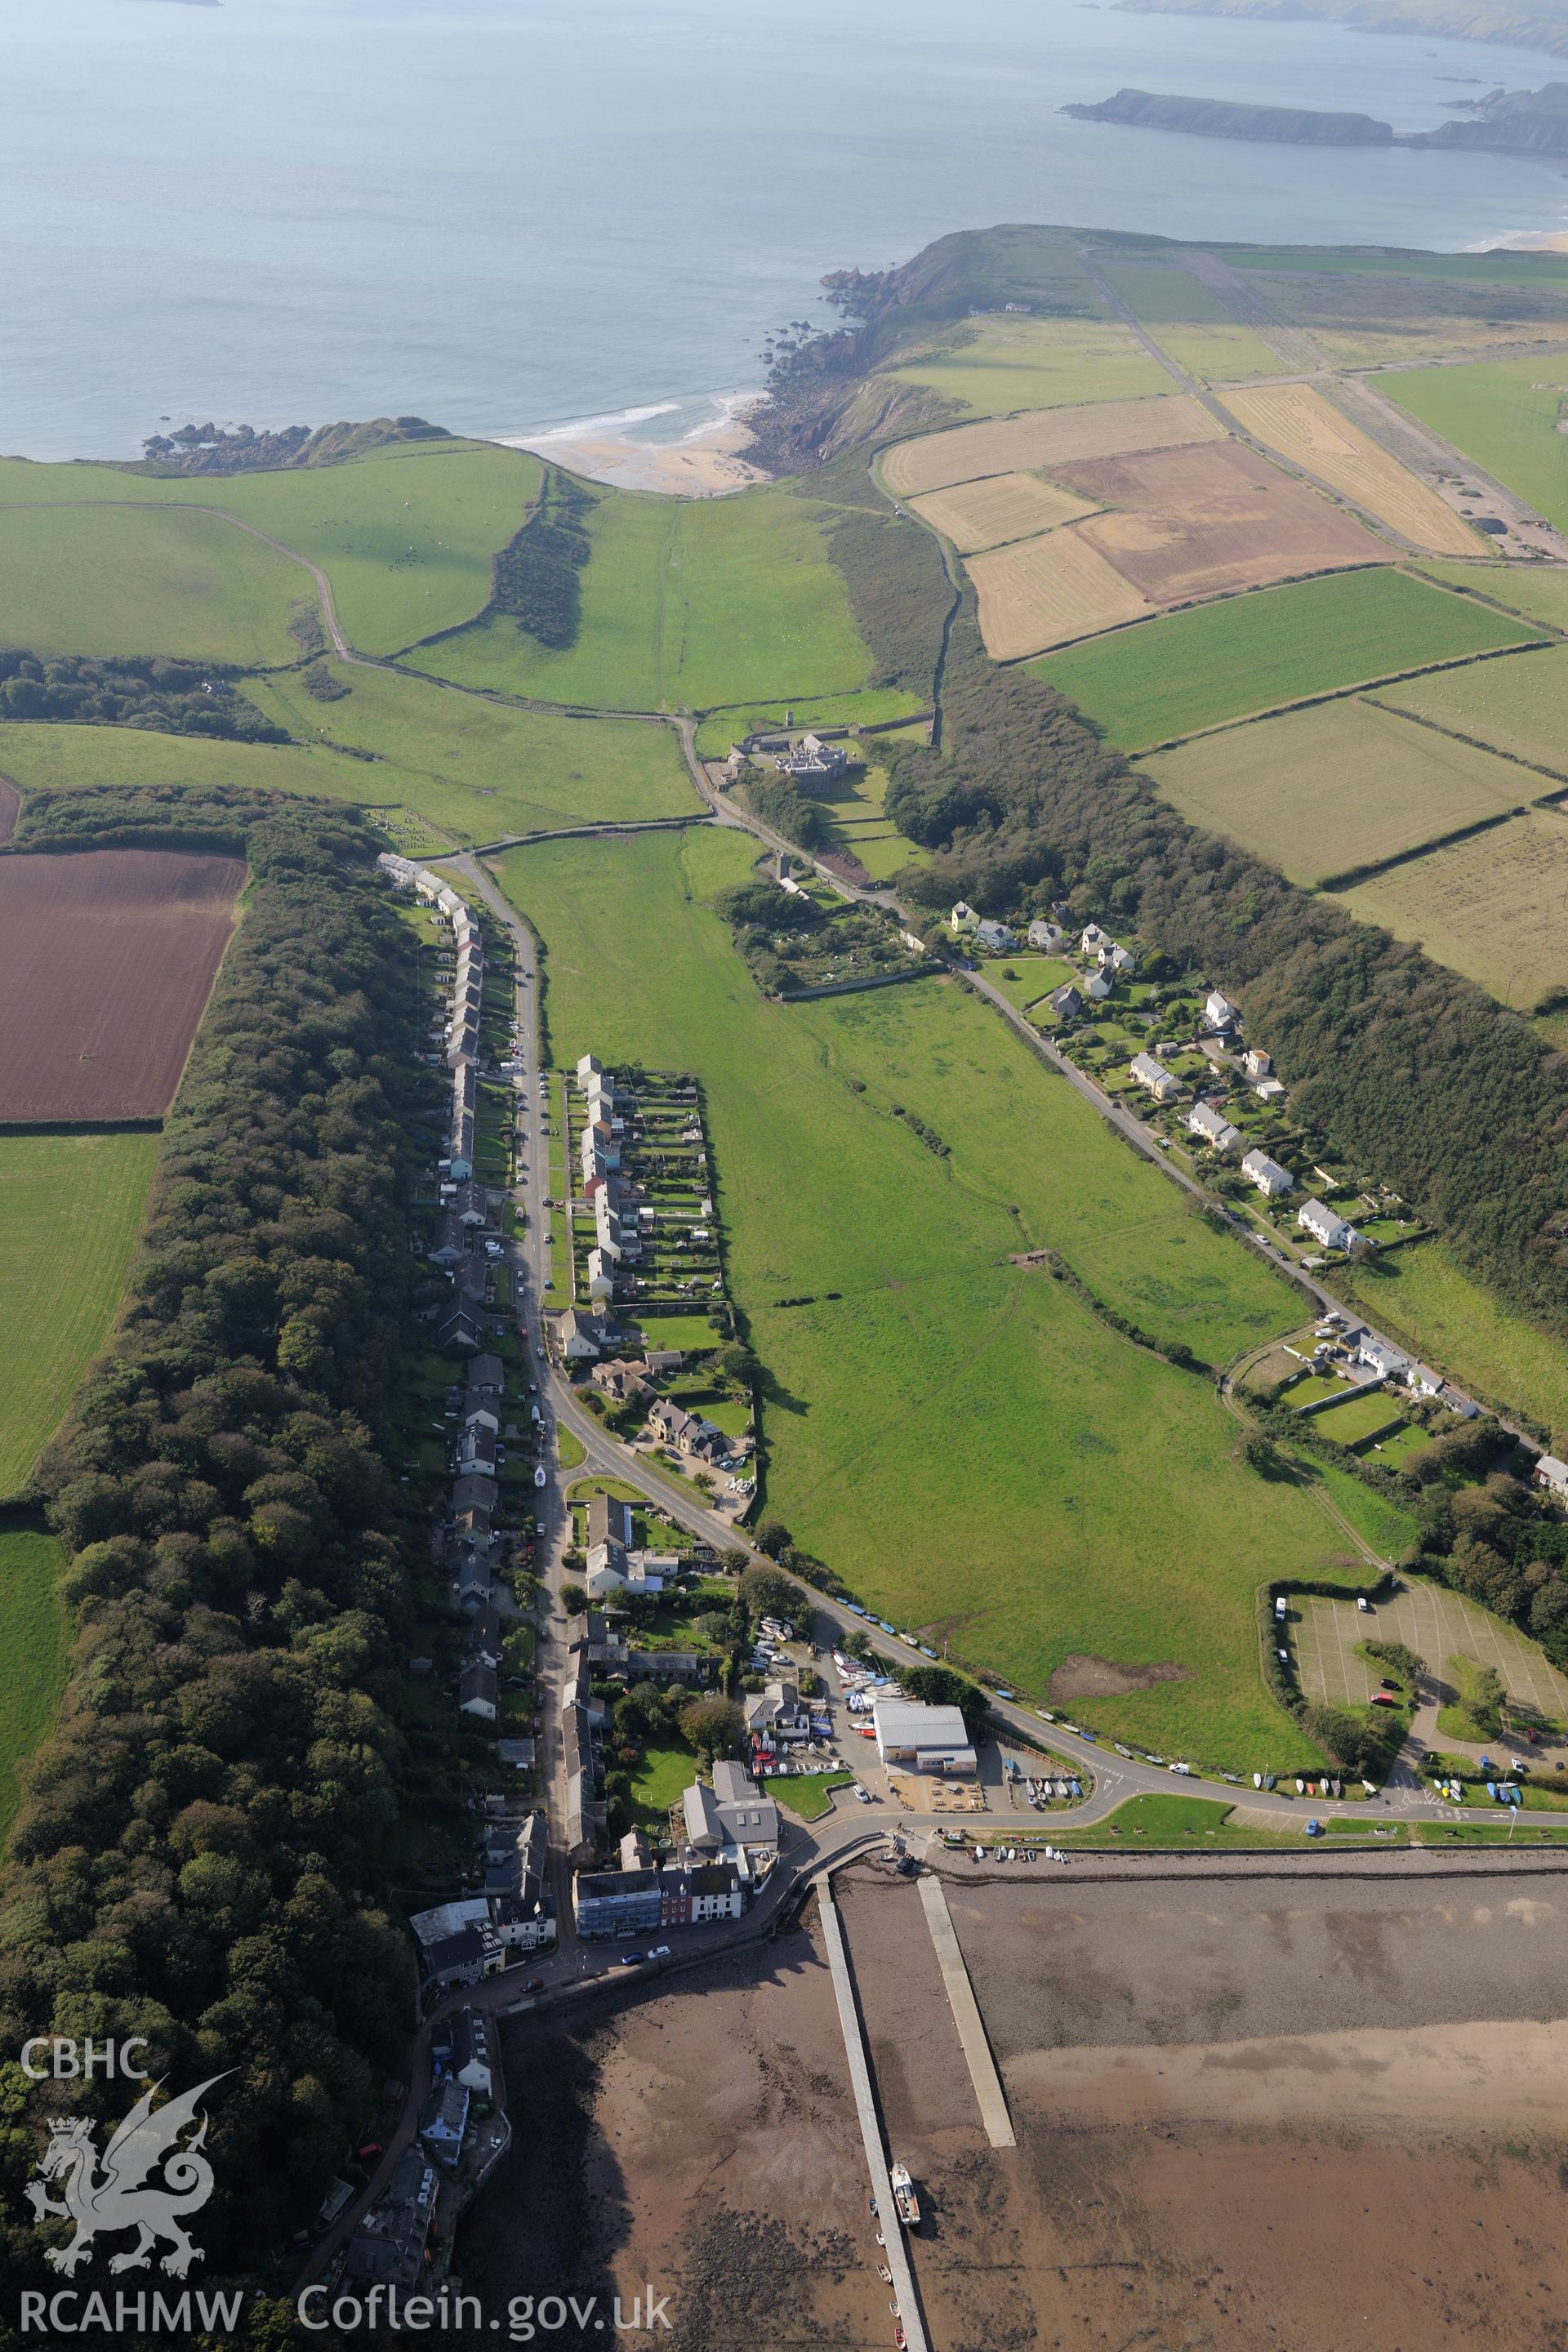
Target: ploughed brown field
[1209,520]
[107,959]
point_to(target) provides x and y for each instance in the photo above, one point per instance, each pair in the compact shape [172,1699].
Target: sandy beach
[702,464]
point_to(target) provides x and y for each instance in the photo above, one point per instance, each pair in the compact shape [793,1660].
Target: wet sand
[1268,2115]
[704,466]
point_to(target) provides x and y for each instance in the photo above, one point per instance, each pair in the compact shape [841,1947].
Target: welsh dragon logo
[121,2195]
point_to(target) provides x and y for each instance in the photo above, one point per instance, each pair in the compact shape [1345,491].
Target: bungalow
[621,1379]
[487,1377]
[475,1588]
[1269,1090]
[1045,937]
[1065,1002]
[1219,1012]
[1161,1083]
[995,938]
[1326,1226]
[610,1520]
[479,1693]
[1270,1178]
[475,1491]
[1216,1129]
[1552,1475]
[963,918]
[452,1242]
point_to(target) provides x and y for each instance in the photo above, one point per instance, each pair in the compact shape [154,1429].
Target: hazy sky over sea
[503,213]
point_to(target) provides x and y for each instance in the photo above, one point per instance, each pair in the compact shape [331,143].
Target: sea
[511,216]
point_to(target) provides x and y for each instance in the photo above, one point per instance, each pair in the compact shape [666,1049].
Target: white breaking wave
[612,427]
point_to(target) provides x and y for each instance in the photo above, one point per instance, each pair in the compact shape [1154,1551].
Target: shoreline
[703,463]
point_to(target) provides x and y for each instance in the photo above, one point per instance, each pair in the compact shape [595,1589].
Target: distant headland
[1515,123]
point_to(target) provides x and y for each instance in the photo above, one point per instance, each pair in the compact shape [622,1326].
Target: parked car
[631,1960]
[660,1952]
[533,1984]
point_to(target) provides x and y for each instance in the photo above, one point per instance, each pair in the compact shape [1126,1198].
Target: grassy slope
[693,603]
[32,1650]
[1423,1296]
[1195,669]
[46,758]
[70,1209]
[482,769]
[1503,413]
[967,1443]
[405,537]
[140,580]
[994,366]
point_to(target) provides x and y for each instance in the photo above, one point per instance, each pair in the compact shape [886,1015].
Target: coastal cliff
[1216,118]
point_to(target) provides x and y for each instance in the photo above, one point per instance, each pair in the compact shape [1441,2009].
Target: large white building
[921,1738]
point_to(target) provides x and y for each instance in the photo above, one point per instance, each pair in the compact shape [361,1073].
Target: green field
[869,707]
[138,579]
[686,602]
[1421,1297]
[1538,591]
[1346,784]
[861,826]
[965,1442]
[483,769]
[32,1649]
[995,365]
[1189,320]
[49,758]
[1502,413]
[70,1210]
[1356,1418]
[1520,705]
[405,535]
[1490,906]
[1170,677]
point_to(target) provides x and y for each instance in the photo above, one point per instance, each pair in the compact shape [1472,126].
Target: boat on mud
[904,2198]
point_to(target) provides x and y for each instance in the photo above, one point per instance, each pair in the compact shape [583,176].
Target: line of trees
[173,698]
[195,1855]
[535,576]
[1402,1064]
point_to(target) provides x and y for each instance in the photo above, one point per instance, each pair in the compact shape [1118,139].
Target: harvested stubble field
[1520,705]
[1491,907]
[107,957]
[1205,521]
[977,515]
[1296,420]
[1046,592]
[1045,437]
[1346,784]
[1178,675]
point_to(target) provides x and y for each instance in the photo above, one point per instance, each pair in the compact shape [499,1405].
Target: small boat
[899,2338]
[904,2198]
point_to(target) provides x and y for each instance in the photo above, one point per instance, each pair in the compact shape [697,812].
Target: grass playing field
[32,1649]
[1502,413]
[405,537]
[1346,784]
[1423,1298]
[1190,670]
[1520,705]
[992,366]
[1490,908]
[144,579]
[70,1209]
[690,603]
[965,1442]
[481,769]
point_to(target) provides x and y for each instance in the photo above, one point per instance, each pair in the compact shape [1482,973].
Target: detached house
[1326,1226]
[1065,1002]
[993,937]
[962,920]
[1219,1012]
[1047,937]
[1271,1180]
[1094,938]
[1161,1083]
[1213,1126]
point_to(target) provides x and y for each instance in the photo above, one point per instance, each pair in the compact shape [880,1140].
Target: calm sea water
[506,214]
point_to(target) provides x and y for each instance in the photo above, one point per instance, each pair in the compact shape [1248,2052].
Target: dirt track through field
[107,959]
